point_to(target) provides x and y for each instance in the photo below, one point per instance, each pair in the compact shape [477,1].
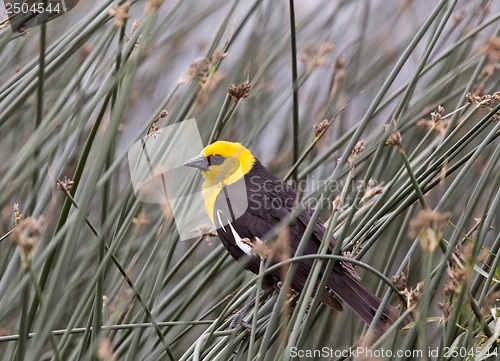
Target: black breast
[251,207]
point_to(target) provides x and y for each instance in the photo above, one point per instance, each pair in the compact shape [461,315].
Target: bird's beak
[200,162]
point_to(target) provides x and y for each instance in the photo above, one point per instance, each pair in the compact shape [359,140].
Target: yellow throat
[239,161]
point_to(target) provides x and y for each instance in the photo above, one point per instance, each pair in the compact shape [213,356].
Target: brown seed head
[239,91]
[415,295]
[65,185]
[400,281]
[394,140]
[163,114]
[314,55]
[428,218]
[320,127]
[437,115]
[358,148]
[26,235]
[485,101]
[17,216]
[372,188]
[427,225]
[120,13]
[261,249]
[206,231]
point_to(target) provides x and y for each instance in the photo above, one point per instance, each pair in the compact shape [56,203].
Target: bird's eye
[216,159]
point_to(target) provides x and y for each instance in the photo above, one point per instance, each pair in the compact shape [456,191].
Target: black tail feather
[364,303]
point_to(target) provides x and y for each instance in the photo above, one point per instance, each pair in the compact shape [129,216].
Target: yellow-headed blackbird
[245,201]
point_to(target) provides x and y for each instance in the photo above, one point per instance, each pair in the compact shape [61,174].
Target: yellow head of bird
[222,163]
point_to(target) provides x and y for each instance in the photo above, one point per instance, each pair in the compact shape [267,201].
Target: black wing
[269,200]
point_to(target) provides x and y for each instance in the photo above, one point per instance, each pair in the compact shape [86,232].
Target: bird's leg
[238,316]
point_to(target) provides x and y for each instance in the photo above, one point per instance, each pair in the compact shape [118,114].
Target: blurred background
[89,272]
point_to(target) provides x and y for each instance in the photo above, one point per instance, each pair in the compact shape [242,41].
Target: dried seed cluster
[65,185]
[394,140]
[437,122]
[314,55]
[154,128]
[459,275]
[485,101]
[428,226]
[358,148]
[428,218]
[320,127]
[203,69]
[372,188]
[239,91]
[206,231]
[26,235]
[412,296]
[120,13]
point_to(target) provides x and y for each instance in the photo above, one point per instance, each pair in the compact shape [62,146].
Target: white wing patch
[243,246]
[220,221]
[239,242]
